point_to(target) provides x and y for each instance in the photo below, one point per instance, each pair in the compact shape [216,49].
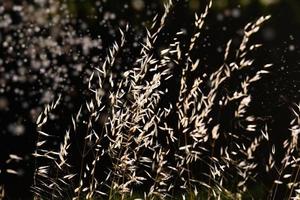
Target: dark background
[49,47]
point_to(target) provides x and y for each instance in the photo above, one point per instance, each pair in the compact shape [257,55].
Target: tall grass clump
[164,128]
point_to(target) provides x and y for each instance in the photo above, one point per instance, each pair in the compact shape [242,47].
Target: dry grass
[148,144]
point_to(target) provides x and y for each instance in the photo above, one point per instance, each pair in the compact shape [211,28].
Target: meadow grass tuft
[132,139]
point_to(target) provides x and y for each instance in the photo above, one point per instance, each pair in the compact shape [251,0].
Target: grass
[130,135]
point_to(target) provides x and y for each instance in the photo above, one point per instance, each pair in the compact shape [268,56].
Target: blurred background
[49,47]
